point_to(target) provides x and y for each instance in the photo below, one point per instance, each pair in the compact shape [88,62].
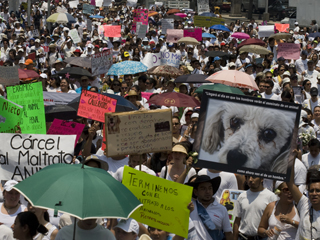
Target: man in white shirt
[311,74]
[313,101]
[301,64]
[313,156]
[268,94]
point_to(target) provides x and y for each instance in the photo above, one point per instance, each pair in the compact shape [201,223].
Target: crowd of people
[265,208]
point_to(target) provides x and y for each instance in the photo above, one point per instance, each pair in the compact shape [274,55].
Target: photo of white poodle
[247,136]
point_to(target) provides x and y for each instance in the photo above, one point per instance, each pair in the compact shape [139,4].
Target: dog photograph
[247,136]
[113,122]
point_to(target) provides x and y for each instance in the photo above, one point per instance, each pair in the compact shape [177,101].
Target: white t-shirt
[114,165]
[8,220]
[118,175]
[6,233]
[190,174]
[228,180]
[272,96]
[309,161]
[308,103]
[300,173]
[250,207]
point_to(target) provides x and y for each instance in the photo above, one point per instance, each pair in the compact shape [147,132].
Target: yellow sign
[202,21]
[164,202]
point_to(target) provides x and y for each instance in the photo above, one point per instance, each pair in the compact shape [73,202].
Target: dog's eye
[268,135]
[235,123]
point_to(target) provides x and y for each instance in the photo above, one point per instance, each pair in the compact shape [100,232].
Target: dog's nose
[236,158]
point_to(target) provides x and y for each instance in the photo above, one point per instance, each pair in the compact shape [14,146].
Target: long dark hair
[31,220]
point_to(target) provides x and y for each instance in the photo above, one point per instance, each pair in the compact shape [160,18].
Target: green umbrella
[220,88]
[81,191]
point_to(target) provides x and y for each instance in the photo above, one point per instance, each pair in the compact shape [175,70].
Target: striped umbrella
[61,18]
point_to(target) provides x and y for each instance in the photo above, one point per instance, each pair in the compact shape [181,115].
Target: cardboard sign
[112,31]
[167,23]
[93,2]
[74,36]
[289,51]
[94,105]
[265,31]
[173,35]
[164,202]
[62,127]
[10,116]
[30,96]
[138,132]
[203,6]
[101,62]
[247,135]
[282,27]
[158,4]
[201,21]
[193,32]
[53,98]
[9,76]
[140,15]
[88,9]
[22,155]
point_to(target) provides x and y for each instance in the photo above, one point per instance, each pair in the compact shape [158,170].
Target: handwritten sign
[203,6]
[112,31]
[132,3]
[162,58]
[202,21]
[141,30]
[282,27]
[32,56]
[167,23]
[193,32]
[164,202]
[140,15]
[10,116]
[289,51]
[62,127]
[74,36]
[22,155]
[88,9]
[35,33]
[94,105]
[107,3]
[138,132]
[173,35]
[101,62]
[266,31]
[9,76]
[152,60]
[73,4]
[30,96]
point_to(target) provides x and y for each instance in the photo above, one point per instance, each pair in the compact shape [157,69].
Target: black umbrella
[63,112]
[192,78]
[79,61]
[123,105]
[221,54]
[74,72]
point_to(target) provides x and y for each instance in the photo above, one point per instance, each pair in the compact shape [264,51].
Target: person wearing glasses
[311,74]
[301,64]
[150,85]
[268,94]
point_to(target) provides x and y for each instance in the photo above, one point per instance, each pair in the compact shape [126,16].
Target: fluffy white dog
[248,136]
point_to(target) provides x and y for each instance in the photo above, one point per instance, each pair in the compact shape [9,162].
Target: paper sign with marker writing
[164,202]
[282,27]
[203,6]
[202,21]
[289,51]
[22,155]
[193,32]
[266,31]
[173,35]
[30,96]
[9,76]
[140,15]
[152,60]
[62,127]
[88,9]
[73,4]
[112,31]
[101,62]
[138,132]
[141,30]
[167,23]
[107,3]
[94,105]
[74,36]
[10,116]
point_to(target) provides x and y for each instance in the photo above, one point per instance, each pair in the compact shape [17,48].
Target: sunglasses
[175,124]
[116,85]
[269,77]
[267,86]
[148,83]
[124,88]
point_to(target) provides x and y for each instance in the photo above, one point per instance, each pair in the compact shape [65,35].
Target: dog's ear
[213,132]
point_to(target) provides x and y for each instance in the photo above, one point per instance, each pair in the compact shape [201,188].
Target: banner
[203,6]
[101,62]
[289,51]
[30,96]
[94,105]
[282,27]
[88,9]
[202,21]
[162,58]
[10,116]
[193,32]
[112,31]
[265,31]
[164,202]
[247,135]
[140,15]
[74,36]
[152,60]
[167,23]
[22,155]
[138,132]
[173,35]
[53,98]
[9,76]
[62,127]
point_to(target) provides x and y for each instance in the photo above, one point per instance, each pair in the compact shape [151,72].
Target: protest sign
[265,31]
[22,155]
[53,98]
[203,6]
[170,58]
[10,116]
[132,3]
[138,132]
[107,3]
[73,4]
[35,33]
[247,135]
[93,2]
[101,62]
[112,31]
[62,127]
[88,9]
[139,15]
[152,60]
[193,32]
[158,4]
[89,25]
[141,30]
[282,27]
[94,105]
[44,6]
[32,56]
[202,21]
[74,36]
[61,10]
[9,76]
[164,202]
[167,23]
[173,35]
[30,96]
[289,51]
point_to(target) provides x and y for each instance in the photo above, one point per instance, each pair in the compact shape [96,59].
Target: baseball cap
[9,185]
[281,59]
[287,73]
[37,40]
[126,54]
[296,23]
[43,75]
[28,61]
[102,164]
[232,64]
[304,52]
[20,50]
[129,225]
[314,91]
[216,59]
[170,44]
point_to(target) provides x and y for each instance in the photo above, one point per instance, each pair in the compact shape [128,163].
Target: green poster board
[10,116]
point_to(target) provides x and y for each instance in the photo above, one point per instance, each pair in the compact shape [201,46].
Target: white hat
[9,185]
[232,64]
[195,115]
[129,225]
[285,80]
[37,40]
[304,114]
[43,75]
[66,29]
[146,170]
[110,91]
[287,73]
[90,45]
[20,50]
[277,184]
[296,23]
[145,39]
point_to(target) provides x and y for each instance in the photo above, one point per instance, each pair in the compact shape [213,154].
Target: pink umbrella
[183,15]
[240,35]
[233,78]
[24,74]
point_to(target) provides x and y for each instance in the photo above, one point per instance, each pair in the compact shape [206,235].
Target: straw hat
[132,93]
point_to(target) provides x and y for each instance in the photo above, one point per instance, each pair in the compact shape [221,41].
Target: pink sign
[94,105]
[112,31]
[289,50]
[282,27]
[193,32]
[140,15]
[62,127]
[93,2]
[173,35]
[146,95]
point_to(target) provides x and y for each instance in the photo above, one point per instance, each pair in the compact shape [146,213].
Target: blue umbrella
[96,16]
[207,14]
[208,35]
[314,35]
[220,27]
[127,67]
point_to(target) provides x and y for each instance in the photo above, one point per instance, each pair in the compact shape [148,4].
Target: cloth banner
[173,35]
[88,9]
[10,116]
[9,76]
[193,32]
[53,98]
[101,62]
[162,58]
[73,4]
[289,51]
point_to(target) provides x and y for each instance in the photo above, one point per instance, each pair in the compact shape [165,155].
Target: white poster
[74,36]
[107,3]
[101,62]
[89,25]
[73,4]
[22,155]
[167,23]
[141,30]
[151,60]
[53,98]
[132,3]
[266,31]
[203,6]
[162,58]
